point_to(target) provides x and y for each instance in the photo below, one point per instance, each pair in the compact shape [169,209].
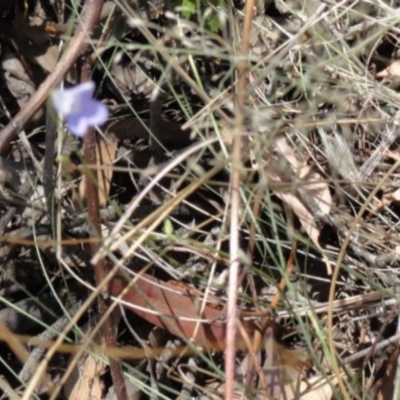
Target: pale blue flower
[78,108]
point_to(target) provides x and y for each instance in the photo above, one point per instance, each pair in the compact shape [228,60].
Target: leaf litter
[319,142]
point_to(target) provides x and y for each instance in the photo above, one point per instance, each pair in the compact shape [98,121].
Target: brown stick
[90,16]
[234,242]
[100,268]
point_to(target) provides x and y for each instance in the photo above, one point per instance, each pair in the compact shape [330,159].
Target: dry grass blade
[310,182]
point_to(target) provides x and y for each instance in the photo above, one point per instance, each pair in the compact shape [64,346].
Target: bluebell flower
[78,108]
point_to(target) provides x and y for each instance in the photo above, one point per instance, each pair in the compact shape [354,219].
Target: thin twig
[283,282]
[392,341]
[39,351]
[89,18]
[235,204]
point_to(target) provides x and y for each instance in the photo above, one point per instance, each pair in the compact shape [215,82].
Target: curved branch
[90,15]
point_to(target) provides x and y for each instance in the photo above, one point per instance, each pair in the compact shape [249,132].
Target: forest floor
[231,229]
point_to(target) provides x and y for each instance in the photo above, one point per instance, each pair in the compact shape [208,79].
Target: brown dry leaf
[88,384]
[106,151]
[315,388]
[85,380]
[226,134]
[272,367]
[48,59]
[281,366]
[270,373]
[387,199]
[128,79]
[33,42]
[386,384]
[315,186]
[133,391]
[177,311]
[17,80]
[394,196]
[392,70]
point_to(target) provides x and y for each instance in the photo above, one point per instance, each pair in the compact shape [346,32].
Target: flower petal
[95,112]
[84,90]
[62,102]
[76,124]
[92,113]
[79,109]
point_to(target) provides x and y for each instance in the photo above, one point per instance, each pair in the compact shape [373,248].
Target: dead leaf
[17,80]
[385,385]
[106,151]
[272,368]
[282,366]
[282,372]
[129,78]
[313,184]
[88,385]
[392,70]
[85,380]
[176,309]
[316,388]
[133,391]
[387,199]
